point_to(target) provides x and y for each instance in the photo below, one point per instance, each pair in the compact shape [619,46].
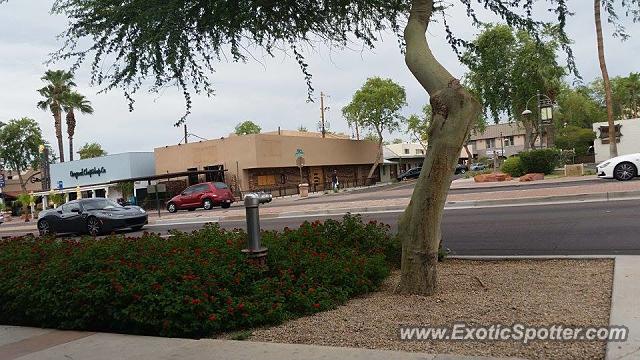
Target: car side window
[202,188]
[68,208]
[188,191]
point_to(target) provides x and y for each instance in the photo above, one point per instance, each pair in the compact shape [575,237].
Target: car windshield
[100,204]
[221,185]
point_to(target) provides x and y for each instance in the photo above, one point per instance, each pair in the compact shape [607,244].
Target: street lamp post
[502,145]
[545,113]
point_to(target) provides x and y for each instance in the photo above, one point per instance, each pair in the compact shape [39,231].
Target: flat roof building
[99,176]
[268,161]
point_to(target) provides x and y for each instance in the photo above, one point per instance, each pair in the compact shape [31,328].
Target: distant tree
[371,137]
[577,108]
[575,138]
[375,106]
[507,68]
[72,102]
[91,150]
[418,126]
[59,84]
[247,127]
[302,129]
[25,201]
[20,141]
[126,188]
[397,141]
[626,96]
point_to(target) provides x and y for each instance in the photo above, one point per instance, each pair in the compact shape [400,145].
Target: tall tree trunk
[613,146]
[469,155]
[70,148]
[71,131]
[23,184]
[375,163]
[453,113]
[57,117]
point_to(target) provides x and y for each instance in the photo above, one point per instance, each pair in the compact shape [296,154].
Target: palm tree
[613,146]
[74,101]
[59,84]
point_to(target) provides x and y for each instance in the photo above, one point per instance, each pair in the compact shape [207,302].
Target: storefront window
[266,180]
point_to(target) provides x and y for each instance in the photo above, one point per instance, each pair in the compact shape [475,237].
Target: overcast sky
[271,92]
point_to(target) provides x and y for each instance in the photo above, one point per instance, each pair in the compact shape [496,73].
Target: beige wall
[263,151]
[12,182]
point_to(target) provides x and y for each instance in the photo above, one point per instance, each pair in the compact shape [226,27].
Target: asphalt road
[596,228]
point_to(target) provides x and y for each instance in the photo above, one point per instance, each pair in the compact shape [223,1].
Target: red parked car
[205,195]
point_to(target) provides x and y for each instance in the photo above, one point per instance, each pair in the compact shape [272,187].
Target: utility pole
[540,125]
[185,134]
[502,144]
[322,113]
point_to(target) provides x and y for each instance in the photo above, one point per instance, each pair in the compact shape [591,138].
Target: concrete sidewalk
[38,344]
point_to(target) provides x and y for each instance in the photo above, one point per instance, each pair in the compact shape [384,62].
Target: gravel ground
[536,293]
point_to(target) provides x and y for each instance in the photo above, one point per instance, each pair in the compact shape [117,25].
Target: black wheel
[172,208]
[226,205]
[44,228]
[625,171]
[137,228]
[207,204]
[462,171]
[93,226]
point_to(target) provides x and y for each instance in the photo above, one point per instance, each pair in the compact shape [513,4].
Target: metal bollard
[255,251]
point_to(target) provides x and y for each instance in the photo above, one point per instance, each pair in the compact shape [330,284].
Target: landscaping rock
[532,177]
[494,177]
[574,170]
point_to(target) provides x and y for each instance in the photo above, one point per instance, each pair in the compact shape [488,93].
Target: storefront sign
[88,172]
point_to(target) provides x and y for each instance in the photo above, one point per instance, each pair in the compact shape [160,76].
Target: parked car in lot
[477,167]
[1,218]
[205,195]
[622,168]
[461,169]
[413,173]
[91,216]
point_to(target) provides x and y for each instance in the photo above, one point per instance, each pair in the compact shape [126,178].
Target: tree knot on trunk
[438,106]
[454,84]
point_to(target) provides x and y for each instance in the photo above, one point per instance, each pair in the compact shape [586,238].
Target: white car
[623,168]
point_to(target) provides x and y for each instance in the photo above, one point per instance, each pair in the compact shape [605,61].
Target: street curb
[529,257]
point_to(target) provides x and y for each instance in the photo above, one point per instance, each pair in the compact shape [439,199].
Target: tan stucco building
[267,161]
[507,137]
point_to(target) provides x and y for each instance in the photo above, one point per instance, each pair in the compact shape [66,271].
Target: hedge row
[190,285]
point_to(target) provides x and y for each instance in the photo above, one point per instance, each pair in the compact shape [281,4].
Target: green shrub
[539,161]
[190,285]
[512,166]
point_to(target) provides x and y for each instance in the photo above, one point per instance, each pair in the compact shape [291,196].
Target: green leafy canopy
[376,106]
[135,43]
[20,140]
[247,127]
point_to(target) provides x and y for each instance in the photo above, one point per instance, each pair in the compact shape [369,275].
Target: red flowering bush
[190,284]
